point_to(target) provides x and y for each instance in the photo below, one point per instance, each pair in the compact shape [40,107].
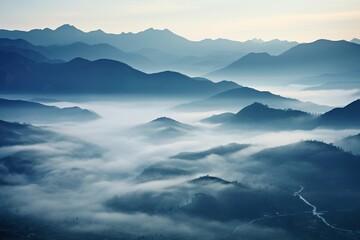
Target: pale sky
[301,20]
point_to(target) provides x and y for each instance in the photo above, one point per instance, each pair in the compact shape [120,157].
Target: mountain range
[19,74]
[344,80]
[236,98]
[303,60]
[26,111]
[262,117]
[251,62]
[148,39]
[178,53]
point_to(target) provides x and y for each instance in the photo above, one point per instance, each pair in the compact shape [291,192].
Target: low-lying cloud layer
[102,176]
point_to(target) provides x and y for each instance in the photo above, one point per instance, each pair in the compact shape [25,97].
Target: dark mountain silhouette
[261,116]
[350,143]
[95,52]
[203,180]
[220,150]
[328,175]
[318,166]
[240,97]
[258,111]
[346,117]
[21,75]
[206,197]
[25,111]
[24,49]
[60,53]
[308,59]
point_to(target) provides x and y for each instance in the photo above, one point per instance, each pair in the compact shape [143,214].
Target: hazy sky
[304,20]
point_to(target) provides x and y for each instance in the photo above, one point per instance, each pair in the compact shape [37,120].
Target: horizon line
[167,29]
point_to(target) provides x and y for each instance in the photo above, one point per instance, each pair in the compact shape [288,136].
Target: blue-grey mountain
[26,111]
[308,59]
[22,75]
[236,98]
[191,57]
[261,117]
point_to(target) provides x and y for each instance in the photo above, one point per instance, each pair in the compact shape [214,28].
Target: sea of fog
[77,187]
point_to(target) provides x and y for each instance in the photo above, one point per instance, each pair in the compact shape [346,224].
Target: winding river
[315,213]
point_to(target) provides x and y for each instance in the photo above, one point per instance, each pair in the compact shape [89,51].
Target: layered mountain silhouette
[346,80]
[24,49]
[318,166]
[204,180]
[22,75]
[260,116]
[149,39]
[178,53]
[308,59]
[243,96]
[26,111]
[346,117]
[61,53]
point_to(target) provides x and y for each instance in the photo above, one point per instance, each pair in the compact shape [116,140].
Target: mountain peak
[98,31]
[157,30]
[204,180]
[78,60]
[164,120]
[67,27]
[257,105]
[261,111]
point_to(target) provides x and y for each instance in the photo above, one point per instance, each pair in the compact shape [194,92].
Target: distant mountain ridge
[243,96]
[150,38]
[99,77]
[26,111]
[178,53]
[261,116]
[308,59]
[343,80]
[68,52]
[346,117]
